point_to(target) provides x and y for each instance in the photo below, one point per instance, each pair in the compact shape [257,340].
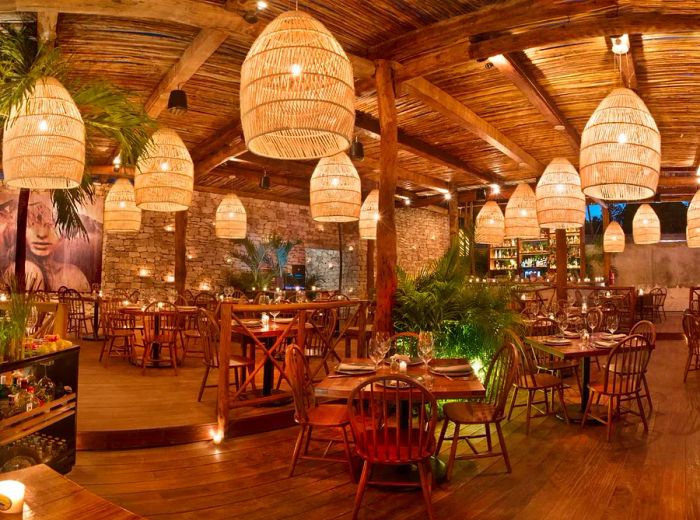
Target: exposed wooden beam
[232,132]
[260,194]
[275,179]
[625,63]
[46,22]
[223,154]
[513,67]
[415,178]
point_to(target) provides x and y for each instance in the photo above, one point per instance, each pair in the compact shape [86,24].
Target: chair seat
[558,364]
[471,413]
[122,333]
[192,333]
[620,387]
[541,380]
[383,447]
[329,415]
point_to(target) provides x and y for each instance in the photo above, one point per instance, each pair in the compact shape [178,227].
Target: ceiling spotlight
[620,44]
[117,162]
[697,172]
[357,150]
[177,102]
[448,196]
[265,182]
[251,17]
[495,189]
[407,201]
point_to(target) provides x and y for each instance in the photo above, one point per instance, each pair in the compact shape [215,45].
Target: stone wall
[422,236]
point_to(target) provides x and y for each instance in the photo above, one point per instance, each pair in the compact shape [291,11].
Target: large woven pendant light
[164,179]
[560,202]
[121,213]
[490,225]
[692,231]
[646,228]
[297,91]
[43,147]
[335,190]
[620,149]
[369,216]
[231,219]
[614,238]
[521,214]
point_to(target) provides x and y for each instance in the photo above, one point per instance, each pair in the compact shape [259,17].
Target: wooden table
[50,495]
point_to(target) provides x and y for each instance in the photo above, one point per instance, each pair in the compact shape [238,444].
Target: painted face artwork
[42,236]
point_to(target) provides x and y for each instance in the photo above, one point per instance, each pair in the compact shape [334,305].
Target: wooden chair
[189,297]
[395,428]
[118,327]
[77,319]
[319,339]
[488,410]
[595,311]
[531,380]
[546,362]
[160,326]
[691,331]
[309,414]
[205,300]
[134,296]
[648,330]
[210,334]
[622,378]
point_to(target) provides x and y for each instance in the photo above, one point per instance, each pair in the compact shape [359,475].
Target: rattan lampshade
[369,216]
[490,225]
[620,149]
[231,218]
[521,214]
[121,213]
[43,147]
[646,228]
[692,231]
[297,91]
[560,202]
[335,190]
[614,238]
[164,179]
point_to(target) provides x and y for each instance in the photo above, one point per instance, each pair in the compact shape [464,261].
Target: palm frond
[66,204]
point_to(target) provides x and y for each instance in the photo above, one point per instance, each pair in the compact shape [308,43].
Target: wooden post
[222,397]
[582,252]
[386,227]
[562,256]
[370,269]
[453,212]
[21,243]
[606,256]
[180,251]
[361,327]
[340,259]
[472,246]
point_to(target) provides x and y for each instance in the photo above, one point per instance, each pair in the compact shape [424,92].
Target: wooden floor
[559,471]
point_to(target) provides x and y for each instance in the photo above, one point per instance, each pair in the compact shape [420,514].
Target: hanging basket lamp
[692,230]
[646,228]
[297,91]
[369,216]
[490,225]
[164,179]
[521,214]
[43,146]
[335,194]
[560,202]
[231,219]
[121,215]
[620,149]
[614,238]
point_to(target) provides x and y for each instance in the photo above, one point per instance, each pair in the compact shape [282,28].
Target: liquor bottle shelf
[23,424]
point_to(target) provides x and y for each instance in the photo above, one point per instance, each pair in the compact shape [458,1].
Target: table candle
[584,308]
[403,367]
[11,496]
[265,320]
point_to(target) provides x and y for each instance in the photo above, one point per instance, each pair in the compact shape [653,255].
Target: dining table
[96,300]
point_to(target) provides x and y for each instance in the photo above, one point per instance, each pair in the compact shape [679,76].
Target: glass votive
[11,496]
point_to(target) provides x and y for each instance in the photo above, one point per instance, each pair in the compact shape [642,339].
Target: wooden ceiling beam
[230,133]
[220,156]
[46,23]
[418,179]
[276,179]
[258,194]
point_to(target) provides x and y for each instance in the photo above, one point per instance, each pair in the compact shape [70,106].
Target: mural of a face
[42,237]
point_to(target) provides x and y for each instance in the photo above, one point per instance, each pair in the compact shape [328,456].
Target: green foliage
[256,258]
[280,249]
[13,325]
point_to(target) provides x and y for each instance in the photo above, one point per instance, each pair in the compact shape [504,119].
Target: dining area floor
[559,471]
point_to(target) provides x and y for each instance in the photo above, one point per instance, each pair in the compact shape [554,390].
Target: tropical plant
[256,258]
[280,249]
[14,324]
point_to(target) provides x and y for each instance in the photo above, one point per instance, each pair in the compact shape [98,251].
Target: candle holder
[11,497]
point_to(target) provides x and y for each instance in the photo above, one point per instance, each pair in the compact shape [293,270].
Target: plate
[452,374]
[605,344]
[392,383]
[284,320]
[362,372]
[557,341]
[411,362]
[251,323]
[612,337]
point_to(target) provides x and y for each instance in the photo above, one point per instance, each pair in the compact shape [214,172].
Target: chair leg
[529,411]
[173,356]
[642,414]
[646,391]
[512,402]
[502,442]
[297,449]
[489,445]
[204,382]
[308,439]
[560,392]
[687,365]
[366,468]
[426,482]
[441,438]
[453,453]
[146,355]
[578,381]
[102,351]
[587,411]
[348,454]
[611,408]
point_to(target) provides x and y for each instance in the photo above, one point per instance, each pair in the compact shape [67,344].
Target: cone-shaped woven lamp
[335,190]
[646,228]
[231,219]
[121,213]
[369,216]
[560,202]
[490,225]
[297,91]
[521,214]
[43,147]
[692,231]
[614,238]
[620,149]
[164,179]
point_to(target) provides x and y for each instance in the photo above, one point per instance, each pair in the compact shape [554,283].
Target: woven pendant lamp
[335,190]
[560,202]
[521,214]
[297,91]
[614,238]
[164,179]
[43,147]
[646,228]
[490,225]
[121,213]
[692,231]
[231,218]
[369,216]
[620,149]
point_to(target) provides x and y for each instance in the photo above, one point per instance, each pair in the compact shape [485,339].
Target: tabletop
[274,329]
[575,350]
[443,388]
[50,495]
[139,310]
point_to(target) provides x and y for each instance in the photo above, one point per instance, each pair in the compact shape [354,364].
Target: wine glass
[593,321]
[563,322]
[425,348]
[376,352]
[274,314]
[32,319]
[612,322]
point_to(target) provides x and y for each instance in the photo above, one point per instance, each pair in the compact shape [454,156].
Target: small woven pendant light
[560,202]
[335,190]
[369,216]
[490,225]
[692,231]
[521,214]
[164,179]
[620,149]
[121,213]
[231,219]
[43,147]
[297,91]
[614,238]
[646,228]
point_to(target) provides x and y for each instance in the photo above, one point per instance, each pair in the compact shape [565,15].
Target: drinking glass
[277,301]
[593,321]
[612,322]
[425,348]
[563,322]
[32,319]
[376,352]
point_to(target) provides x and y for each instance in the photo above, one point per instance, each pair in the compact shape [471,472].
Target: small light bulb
[407,201]
[448,196]
[559,188]
[376,217]
[295,69]
[495,189]
[645,221]
[491,221]
[43,125]
[164,166]
[117,160]
[622,138]
[231,214]
[523,213]
[261,5]
[122,204]
[335,181]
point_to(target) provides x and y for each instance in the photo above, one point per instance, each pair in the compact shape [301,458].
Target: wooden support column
[606,256]
[453,212]
[386,227]
[582,241]
[470,217]
[222,396]
[180,251]
[562,256]
[21,241]
[370,269]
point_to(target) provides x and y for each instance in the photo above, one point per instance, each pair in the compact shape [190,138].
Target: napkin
[352,367]
[615,337]
[570,334]
[457,369]
[251,323]
[557,341]
[605,344]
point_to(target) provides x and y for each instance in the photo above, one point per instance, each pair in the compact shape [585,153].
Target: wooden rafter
[406,175]
[223,154]
[46,22]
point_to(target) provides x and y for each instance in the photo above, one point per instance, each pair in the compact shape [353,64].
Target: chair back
[210,334]
[528,357]
[657,296]
[691,331]
[134,296]
[299,375]
[626,365]
[543,327]
[405,343]
[165,316]
[118,321]
[645,328]
[76,304]
[393,419]
[500,377]
[40,296]
[324,321]
[205,300]
[238,294]
[189,297]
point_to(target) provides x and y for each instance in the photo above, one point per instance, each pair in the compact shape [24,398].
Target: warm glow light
[164,166]
[217,437]
[11,496]
[495,189]
[261,5]
[204,286]
[620,44]
[122,204]
[3,297]
[169,228]
[523,213]
[335,181]
[143,272]
[117,161]
[170,278]
[295,69]
[622,138]
[448,196]
[43,125]
[407,201]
